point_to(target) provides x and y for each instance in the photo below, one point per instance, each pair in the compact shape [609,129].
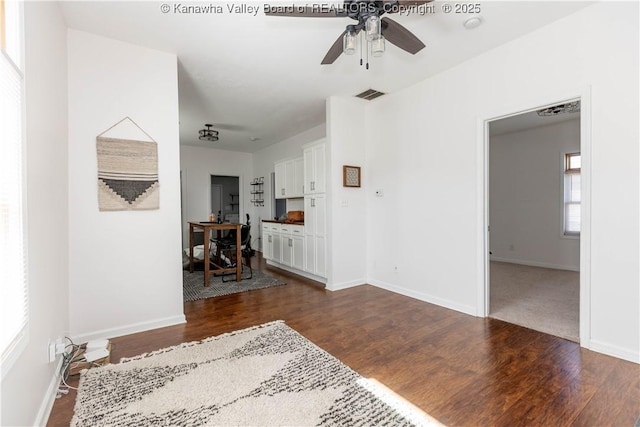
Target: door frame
[582,94]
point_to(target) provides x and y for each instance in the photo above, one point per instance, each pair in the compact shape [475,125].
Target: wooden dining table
[207,228]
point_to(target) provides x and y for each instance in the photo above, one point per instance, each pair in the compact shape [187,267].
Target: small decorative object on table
[351,176]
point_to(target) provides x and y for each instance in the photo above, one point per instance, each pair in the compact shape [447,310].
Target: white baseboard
[49,397]
[535,263]
[424,297]
[322,280]
[615,351]
[130,329]
[345,285]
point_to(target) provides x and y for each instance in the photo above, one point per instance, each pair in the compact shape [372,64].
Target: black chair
[226,248]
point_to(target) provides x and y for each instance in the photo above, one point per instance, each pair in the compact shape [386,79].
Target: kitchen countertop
[280,221]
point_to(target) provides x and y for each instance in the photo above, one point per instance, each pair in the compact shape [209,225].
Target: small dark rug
[193,284]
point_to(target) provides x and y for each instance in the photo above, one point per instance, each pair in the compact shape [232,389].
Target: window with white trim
[572,197]
[14,315]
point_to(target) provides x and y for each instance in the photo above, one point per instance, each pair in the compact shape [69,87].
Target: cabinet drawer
[270,227]
[285,229]
[297,230]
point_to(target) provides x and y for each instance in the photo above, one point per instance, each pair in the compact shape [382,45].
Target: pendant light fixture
[208,134]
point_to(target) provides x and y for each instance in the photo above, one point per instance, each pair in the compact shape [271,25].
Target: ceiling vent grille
[369,94]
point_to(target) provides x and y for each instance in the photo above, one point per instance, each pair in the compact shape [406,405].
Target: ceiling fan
[368,14]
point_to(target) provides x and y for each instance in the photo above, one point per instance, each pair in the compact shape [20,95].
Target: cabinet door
[280,181]
[287,250]
[267,245]
[307,158]
[309,215]
[321,256]
[276,254]
[319,178]
[320,214]
[298,178]
[310,254]
[289,172]
[297,260]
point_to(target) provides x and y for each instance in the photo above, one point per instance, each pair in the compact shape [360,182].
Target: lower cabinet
[297,259]
[284,244]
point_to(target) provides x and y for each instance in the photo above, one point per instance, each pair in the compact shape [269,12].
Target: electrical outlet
[52,351]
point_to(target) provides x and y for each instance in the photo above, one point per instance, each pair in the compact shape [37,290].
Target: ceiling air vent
[369,94]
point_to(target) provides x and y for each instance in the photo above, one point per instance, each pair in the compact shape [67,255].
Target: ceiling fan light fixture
[373,27]
[377,46]
[349,43]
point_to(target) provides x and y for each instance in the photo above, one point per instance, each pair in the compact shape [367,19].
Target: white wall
[197,165]
[346,206]
[428,155]
[526,192]
[28,388]
[125,266]
[263,165]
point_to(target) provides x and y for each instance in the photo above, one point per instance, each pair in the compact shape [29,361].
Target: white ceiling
[259,76]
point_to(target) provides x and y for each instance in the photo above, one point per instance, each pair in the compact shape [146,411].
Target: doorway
[533,216]
[225,197]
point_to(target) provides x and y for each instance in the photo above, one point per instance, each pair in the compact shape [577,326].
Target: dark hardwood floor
[462,370]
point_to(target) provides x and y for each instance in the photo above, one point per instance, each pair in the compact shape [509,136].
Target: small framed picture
[351,176]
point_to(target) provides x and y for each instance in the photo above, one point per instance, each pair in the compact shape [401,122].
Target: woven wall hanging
[127,172]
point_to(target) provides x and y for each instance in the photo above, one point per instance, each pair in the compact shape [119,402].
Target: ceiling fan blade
[334,51]
[316,11]
[400,36]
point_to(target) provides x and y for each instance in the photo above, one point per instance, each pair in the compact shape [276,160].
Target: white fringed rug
[266,375]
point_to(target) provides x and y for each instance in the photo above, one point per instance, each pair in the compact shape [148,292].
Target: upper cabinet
[314,169]
[289,179]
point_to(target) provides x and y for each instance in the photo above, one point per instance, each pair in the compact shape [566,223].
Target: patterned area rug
[193,284]
[266,375]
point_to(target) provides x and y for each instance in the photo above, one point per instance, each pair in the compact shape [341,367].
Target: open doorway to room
[534,210]
[225,197]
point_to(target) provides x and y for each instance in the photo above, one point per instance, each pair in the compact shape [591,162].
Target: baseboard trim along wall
[129,329]
[298,272]
[425,297]
[345,285]
[536,264]
[615,351]
[49,397]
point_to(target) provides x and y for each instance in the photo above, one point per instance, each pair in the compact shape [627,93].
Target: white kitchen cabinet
[271,241]
[314,169]
[267,242]
[280,180]
[297,189]
[292,245]
[297,243]
[286,244]
[289,178]
[315,226]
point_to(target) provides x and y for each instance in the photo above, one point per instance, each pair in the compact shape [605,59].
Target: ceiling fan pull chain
[361,43]
[367,54]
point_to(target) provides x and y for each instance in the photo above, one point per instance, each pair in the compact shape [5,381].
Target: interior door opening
[225,198]
[533,206]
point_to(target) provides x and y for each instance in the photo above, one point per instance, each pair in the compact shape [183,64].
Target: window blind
[13,276]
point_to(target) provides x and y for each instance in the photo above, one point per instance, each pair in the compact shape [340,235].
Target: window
[13,276]
[572,163]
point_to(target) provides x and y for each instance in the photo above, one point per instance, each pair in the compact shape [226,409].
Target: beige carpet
[538,298]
